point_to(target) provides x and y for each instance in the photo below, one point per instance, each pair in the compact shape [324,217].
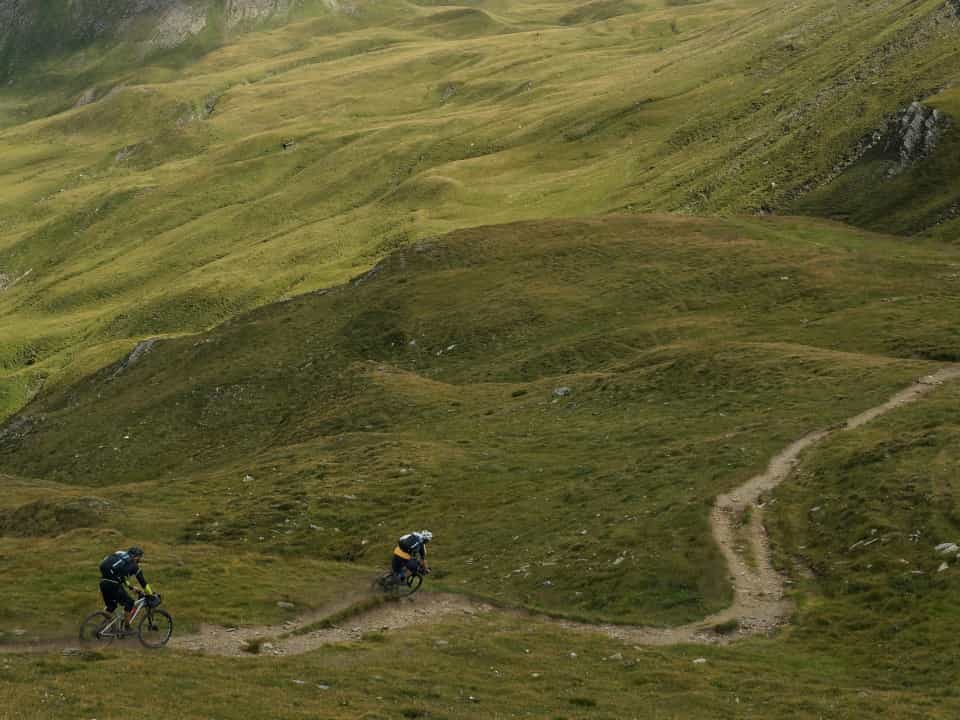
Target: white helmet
[426,535]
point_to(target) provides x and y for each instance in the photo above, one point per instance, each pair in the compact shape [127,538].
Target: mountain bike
[388,583]
[149,623]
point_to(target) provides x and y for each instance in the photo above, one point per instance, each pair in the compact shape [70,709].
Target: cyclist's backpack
[408,543]
[113,564]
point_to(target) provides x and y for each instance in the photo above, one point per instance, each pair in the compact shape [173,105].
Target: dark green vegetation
[559,399]
[883,192]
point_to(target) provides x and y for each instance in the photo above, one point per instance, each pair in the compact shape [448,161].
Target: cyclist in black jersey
[115,569]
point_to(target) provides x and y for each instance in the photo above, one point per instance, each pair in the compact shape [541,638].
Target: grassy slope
[922,196]
[169,204]
[690,357]
[694,349]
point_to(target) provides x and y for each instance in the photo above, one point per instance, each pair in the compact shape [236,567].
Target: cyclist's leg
[397,566]
[108,591]
[123,597]
[413,565]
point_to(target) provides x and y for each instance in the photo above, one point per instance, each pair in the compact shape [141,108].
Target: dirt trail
[736,520]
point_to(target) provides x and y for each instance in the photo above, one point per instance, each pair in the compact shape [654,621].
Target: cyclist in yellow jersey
[410,554]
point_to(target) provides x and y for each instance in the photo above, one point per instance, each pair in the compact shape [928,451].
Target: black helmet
[135,551]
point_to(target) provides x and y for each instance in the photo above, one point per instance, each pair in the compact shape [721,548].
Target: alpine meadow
[648,310]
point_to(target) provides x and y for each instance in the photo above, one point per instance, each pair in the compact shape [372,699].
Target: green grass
[170,204]
[273,452]
[865,516]
[327,425]
[505,668]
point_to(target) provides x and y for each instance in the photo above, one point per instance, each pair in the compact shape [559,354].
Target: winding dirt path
[759,599]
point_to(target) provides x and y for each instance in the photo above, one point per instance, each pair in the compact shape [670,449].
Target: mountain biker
[410,554]
[115,568]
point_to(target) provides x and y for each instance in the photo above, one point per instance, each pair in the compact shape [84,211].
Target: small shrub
[253,646]
[725,628]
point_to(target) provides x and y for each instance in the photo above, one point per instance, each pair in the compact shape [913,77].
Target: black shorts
[413,565]
[114,593]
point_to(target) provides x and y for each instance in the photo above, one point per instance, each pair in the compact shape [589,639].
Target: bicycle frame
[111,629]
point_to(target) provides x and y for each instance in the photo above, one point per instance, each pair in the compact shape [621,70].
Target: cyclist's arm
[143,583]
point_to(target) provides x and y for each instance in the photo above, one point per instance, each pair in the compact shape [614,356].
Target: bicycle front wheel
[94,629]
[412,584]
[155,629]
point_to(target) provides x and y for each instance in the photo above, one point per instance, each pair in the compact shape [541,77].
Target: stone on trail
[947,548]
[285,605]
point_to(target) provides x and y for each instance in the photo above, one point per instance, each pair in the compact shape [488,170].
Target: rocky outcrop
[907,137]
[30,30]
[244,12]
[912,135]
[176,24]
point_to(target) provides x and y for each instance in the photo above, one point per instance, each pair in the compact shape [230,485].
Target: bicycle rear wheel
[155,629]
[382,583]
[91,630]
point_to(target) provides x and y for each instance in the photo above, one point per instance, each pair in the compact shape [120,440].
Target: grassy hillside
[879,192]
[276,294]
[428,391]
[278,456]
[193,189]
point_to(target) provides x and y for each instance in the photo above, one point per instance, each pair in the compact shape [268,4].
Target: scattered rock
[562,392]
[88,96]
[138,352]
[447,92]
[947,548]
[72,651]
[943,566]
[699,661]
[285,605]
